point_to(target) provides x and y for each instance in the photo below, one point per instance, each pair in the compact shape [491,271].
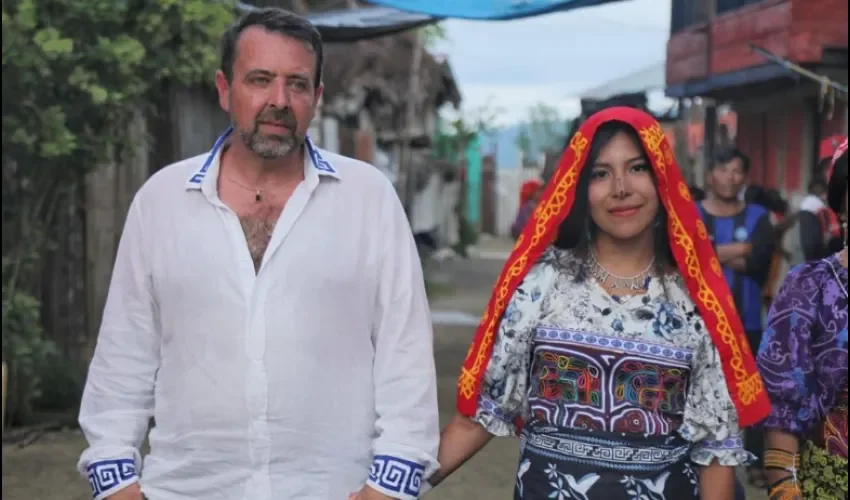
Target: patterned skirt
[570,464]
[823,476]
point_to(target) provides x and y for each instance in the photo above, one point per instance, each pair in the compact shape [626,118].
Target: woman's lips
[624,212]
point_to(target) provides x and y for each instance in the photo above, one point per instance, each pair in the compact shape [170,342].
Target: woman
[803,358]
[528,201]
[626,388]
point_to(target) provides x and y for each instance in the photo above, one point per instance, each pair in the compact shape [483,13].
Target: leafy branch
[75,74]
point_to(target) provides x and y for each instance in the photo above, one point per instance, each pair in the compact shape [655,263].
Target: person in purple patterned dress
[803,362]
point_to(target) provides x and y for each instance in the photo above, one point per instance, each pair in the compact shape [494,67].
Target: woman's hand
[459,441]
[368,493]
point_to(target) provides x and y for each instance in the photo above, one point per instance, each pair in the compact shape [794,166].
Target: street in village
[44,470]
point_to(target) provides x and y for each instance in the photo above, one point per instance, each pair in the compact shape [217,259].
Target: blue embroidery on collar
[198,177]
[397,475]
[107,474]
[319,162]
[316,157]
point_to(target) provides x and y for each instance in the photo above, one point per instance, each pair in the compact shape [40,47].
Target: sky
[511,65]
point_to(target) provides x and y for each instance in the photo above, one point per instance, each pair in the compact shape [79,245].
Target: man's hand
[731,251]
[738,264]
[367,493]
[132,492]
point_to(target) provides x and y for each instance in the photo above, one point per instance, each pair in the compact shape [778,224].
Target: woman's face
[622,194]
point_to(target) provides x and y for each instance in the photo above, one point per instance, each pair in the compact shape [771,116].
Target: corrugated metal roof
[644,80]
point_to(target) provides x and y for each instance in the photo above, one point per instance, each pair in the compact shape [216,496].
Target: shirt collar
[315,163]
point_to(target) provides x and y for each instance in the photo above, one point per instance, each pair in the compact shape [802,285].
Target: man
[267,307]
[818,231]
[743,238]
[817,224]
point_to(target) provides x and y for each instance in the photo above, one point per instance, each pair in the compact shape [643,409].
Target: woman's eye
[599,174]
[643,167]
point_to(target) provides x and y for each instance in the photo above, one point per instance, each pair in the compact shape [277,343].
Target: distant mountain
[503,144]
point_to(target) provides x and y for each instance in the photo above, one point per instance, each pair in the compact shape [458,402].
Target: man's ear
[223,88]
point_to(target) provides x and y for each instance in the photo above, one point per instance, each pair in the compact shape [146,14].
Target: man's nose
[279,97]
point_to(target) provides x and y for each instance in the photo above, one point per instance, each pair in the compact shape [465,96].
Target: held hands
[367,493]
[132,492]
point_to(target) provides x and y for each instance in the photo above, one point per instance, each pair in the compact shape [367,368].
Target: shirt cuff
[729,452]
[107,477]
[495,420]
[396,477]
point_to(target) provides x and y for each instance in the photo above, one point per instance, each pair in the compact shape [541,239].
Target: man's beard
[275,145]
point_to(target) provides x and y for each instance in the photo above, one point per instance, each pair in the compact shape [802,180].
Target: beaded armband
[787,488]
[781,460]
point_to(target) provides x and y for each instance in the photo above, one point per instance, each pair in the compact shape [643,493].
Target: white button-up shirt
[303,381]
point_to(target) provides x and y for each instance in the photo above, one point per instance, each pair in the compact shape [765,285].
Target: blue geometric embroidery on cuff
[730,443]
[108,474]
[397,475]
[490,406]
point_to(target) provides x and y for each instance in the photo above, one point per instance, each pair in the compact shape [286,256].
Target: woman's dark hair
[836,194]
[578,229]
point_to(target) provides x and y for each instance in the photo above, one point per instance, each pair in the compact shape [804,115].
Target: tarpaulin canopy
[351,25]
[389,17]
[489,9]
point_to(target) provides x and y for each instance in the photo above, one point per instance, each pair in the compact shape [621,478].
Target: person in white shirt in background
[267,309]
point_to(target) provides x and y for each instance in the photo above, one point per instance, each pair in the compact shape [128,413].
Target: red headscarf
[836,154]
[692,250]
[830,145]
[527,190]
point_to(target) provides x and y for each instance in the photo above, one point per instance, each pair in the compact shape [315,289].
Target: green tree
[432,35]
[75,73]
[478,121]
[544,129]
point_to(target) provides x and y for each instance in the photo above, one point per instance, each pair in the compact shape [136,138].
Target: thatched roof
[301,6]
[376,74]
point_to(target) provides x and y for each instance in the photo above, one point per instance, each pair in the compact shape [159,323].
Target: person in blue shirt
[744,241]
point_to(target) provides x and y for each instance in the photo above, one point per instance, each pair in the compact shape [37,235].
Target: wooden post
[406,165]
[710,107]
[5,385]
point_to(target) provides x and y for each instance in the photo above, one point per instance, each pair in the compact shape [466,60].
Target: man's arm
[729,253]
[408,427]
[118,398]
[764,243]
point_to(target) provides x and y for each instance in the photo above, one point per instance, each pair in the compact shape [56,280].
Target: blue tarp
[488,9]
[351,25]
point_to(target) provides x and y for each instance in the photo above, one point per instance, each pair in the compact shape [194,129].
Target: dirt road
[45,470]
